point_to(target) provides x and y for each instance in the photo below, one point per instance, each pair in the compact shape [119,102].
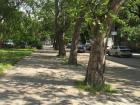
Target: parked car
[120,51]
[108,48]
[22,44]
[88,46]
[9,44]
[68,45]
[81,49]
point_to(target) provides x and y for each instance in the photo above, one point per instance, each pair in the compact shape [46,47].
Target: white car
[9,43]
[120,51]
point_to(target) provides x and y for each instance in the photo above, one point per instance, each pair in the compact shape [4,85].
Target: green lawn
[9,57]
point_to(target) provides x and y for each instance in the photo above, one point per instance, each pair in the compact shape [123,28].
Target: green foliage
[37,20]
[128,24]
[3,66]
[9,57]
[39,45]
[21,25]
[131,33]
[94,89]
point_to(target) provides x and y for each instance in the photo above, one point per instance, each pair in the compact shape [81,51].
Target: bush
[21,44]
[35,43]
[39,46]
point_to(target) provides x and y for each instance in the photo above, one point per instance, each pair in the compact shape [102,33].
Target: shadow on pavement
[52,84]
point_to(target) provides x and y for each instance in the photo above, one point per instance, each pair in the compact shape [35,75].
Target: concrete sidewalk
[42,80]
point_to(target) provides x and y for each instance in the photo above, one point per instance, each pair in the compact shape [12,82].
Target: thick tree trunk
[75,38]
[62,51]
[96,64]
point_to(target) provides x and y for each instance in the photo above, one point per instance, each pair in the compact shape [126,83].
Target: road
[133,62]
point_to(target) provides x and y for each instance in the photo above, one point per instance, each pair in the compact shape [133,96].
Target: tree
[102,21]
[128,23]
[78,8]
[61,25]
[19,21]
[75,39]
[9,14]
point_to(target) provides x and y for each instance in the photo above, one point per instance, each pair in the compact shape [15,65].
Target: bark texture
[55,41]
[59,30]
[75,38]
[96,65]
[61,43]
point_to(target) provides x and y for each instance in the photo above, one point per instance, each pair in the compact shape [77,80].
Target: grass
[106,88]
[64,60]
[9,57]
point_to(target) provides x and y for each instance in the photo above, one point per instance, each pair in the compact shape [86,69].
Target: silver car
[120,51]
[81,49]
[9,43]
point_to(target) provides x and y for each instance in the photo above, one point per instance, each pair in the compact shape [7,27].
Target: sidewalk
[42,80]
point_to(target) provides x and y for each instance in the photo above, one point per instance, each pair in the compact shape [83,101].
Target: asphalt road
[132,62]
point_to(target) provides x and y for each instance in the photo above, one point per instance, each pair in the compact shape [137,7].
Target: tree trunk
[62,51]
[59,30]
[56,26]
[73,52]
[139,10]
[96,65]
